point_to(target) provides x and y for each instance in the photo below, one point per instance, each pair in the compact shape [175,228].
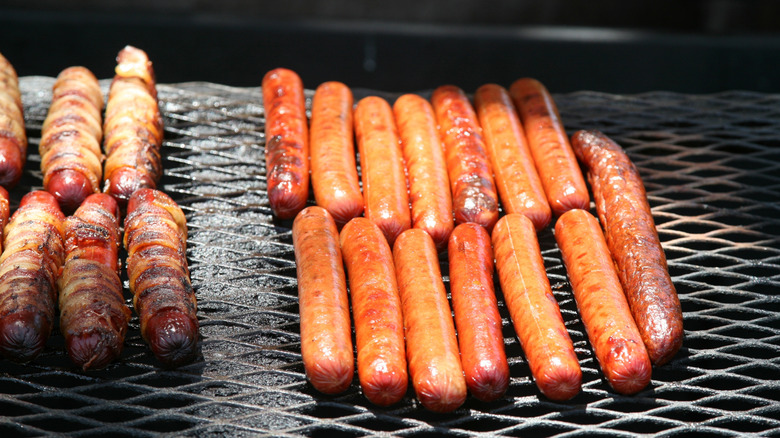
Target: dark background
[408,45]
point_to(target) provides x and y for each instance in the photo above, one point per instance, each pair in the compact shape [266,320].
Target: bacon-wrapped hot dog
[71,158]
[28,273]
[93,313]
[155,239]
[13,138]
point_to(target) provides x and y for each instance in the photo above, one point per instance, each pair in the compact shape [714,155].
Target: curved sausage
[286,142]
[28,273]
[612,332]
[475,306]
[334,176]
[535,313]
[519,186]
[474,197]
[382,167]
[622,206]
[326,332]
[13,138]
[376,309]
[159,278]
[431,346]
[555,162]
[429,190]
[93,313]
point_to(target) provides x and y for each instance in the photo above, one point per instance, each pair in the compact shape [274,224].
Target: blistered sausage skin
[156,238]
[429,189]
[29,267]
[13,138]
[71,157]
[323,303]
[376,311]
[93,313]
[286,142]
[611,330]
[555,162]
[431,345]
[625,215]
[474,197]
[475,306]
[382,167]
[519,186]
[534,310]
[334,176]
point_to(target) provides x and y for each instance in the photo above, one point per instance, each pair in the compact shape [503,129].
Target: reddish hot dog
[557,166]
[382,167]
[535,313]
[431,346]
[13,138]
[286,142]
[429,189]
[632,238]
[376,310]
[326,332]
[519,186]
[612,332]
[475,306]
[474,197]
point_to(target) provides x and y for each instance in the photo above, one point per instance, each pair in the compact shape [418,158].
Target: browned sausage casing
[13,138]
[603,308]
[475,306]
[376,310]
[326,332]
[535,313]
[624,212]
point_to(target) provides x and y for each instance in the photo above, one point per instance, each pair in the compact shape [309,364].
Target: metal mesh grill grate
[711,165]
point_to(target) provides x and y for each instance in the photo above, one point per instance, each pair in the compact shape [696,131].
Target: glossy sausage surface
[13,138]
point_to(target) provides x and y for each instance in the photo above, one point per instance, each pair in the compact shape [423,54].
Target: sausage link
[602,305]
[286,142]
[535,313]
[431,346]
[429,190]
[474,197]
[326,332]
[376,310]
[475,306]
[13,138]
[624,212]
[382,167]
[555,162]
[28,273]
[155,238]
[334,176]
[93,313]
[519,186]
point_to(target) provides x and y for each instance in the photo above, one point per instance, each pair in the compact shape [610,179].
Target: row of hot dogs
[433,175]
[60,252]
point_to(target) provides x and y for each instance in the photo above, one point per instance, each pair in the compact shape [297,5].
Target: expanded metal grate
[711,165]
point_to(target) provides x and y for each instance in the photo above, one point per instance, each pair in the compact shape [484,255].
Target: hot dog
[71,158]
[429,190]
[474,197]
[603,308]
[475,307]
[535,313]
[286,142]
[29,267]
[334,176]
[382,167]
[93,313]
[555,162]
[431,346]
[5,211]
[13,138]
[156,238]
[519,186]
[625,215]
[376,310]
[326,332]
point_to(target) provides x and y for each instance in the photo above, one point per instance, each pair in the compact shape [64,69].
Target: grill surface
[711,164]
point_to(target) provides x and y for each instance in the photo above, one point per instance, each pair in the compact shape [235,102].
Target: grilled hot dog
[13,138]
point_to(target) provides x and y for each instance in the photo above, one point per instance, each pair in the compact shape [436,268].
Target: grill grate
[710,164]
